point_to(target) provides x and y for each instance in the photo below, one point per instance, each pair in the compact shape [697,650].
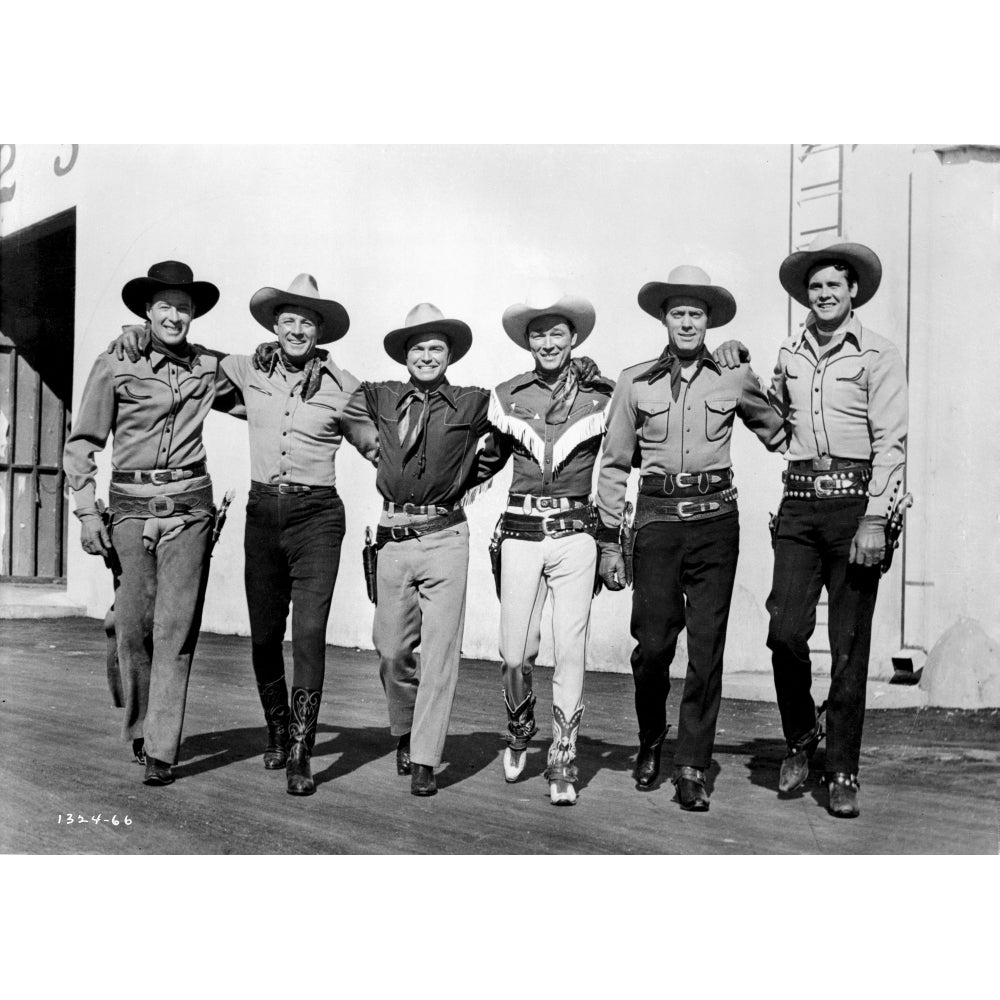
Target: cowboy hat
[546,299]
[423,320]
[693,282]
[827,248]
[301,292]
[169,274]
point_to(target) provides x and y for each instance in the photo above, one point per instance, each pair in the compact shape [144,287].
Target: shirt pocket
[652,419]
[257,388]
[719,415]
[855,377]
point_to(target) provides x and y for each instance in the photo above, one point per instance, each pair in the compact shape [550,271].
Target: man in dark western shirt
[423,434]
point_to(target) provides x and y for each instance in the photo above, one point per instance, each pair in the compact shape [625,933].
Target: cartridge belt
[555,524]
[649,509]
[802,482]
[159,477]
[413,508]
[529,502]
[402,532]
[686,484]
[162,505]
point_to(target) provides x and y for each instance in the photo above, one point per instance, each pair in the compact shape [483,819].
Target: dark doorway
[37,302]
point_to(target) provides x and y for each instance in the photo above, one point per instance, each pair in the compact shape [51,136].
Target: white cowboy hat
[692,282]
[545,298]
[301,292]
[423,320]
[826,248]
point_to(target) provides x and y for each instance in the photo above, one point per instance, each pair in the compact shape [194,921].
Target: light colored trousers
[564,569]
[421,599]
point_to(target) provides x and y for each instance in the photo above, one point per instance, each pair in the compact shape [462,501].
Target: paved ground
[929,776]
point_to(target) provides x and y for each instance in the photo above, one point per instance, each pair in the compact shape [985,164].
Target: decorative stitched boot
[562,772]
[274,699]
[795,766]
[647,761]
[301,736]
[521,726]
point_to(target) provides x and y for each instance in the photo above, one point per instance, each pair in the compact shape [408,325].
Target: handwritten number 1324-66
[70,819]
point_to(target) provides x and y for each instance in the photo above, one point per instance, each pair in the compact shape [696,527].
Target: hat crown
[826,240]
[172,272]
[423,312]
[305,285]
[543,293]
[688,274]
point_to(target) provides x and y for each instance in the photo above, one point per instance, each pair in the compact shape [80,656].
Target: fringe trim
[593,426]
[519,430]
[470,496]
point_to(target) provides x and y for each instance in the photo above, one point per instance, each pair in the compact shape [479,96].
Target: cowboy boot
[562,772]
[302,735]
[403,765]
[274,699]
[843,791]
[691,791]
[795,766]
[647,761]
[521,726]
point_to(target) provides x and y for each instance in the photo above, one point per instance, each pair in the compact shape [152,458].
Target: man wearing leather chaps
[675,414]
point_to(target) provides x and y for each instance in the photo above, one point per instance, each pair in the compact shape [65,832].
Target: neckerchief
[564,391]
[180,355]
[669,364]
[413,431]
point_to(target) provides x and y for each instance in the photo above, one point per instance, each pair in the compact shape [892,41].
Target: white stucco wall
[467,228]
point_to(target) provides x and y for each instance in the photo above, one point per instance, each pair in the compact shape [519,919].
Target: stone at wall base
[963,668]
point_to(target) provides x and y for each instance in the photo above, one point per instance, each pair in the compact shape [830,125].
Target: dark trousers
[292,554]
[811,549]
[683,578]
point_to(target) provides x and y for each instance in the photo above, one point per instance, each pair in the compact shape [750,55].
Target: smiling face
[550,340]
[297,328]
[831,291]
[427,358]
[170,314]
[686,320]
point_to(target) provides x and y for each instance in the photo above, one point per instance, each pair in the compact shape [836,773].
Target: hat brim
[794,271]
[578,311]
[137,292]
[457,333]
[265,301]
[720,302]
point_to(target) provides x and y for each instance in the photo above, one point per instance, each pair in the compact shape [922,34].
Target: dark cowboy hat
[829,249]
[303,291]
[422,321]
[693,282]
[546,299]
[169,274]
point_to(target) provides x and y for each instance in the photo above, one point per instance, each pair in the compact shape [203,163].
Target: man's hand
[586,369]
[94,536]
[134,340]
[731,354]
[265,357]
[612,566]
[868,543]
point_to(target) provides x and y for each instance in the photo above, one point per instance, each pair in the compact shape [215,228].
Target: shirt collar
[445,390]
[528,379]
[852,330]
[667,359]
[157,360]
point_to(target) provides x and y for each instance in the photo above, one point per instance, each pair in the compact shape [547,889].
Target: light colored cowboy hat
[545,298]
[423,320]
[826,248]
[265,302]
[693,282]
[169,274]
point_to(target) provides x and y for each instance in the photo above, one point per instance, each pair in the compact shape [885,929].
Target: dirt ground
[930,778]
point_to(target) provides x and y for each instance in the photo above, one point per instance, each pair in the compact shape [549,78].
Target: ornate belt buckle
[684,479]
[160,477]
[402,532]
[823,486]
[160,506]
[682,506]
[546,529]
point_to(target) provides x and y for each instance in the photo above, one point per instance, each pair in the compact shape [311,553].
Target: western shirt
[552,460]
[292,440]
[456,420]
[154,406]
[647,427]
[847,400]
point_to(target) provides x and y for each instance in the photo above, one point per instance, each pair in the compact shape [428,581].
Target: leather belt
[159,477]
[828,463]
[402,532]
[556,524]
[845,481]
[162,505]
[413,508]
[528,502]
[686,484]
[287,489]
[649,509]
